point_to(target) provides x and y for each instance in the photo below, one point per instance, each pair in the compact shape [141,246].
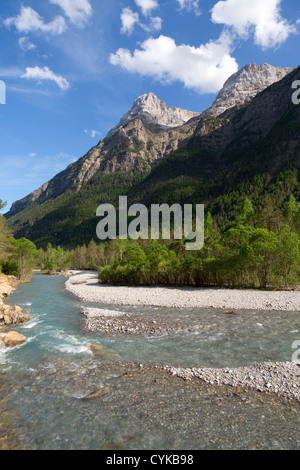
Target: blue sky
[72,68]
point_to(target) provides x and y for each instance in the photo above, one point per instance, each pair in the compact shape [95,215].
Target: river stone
[13,339]
[12,315]
[7,320]
[97,349]
[97,393]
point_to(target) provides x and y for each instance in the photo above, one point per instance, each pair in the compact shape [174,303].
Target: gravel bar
[120,323]
[281,378]
[87,287]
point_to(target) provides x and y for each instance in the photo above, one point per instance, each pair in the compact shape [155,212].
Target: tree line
[240,254]
[259,250]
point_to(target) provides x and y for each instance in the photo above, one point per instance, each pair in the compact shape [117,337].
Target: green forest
[256,249]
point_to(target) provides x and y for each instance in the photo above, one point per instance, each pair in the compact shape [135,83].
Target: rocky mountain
[245,84]
[148,132]
[155,111]
[160,154]
[251,150]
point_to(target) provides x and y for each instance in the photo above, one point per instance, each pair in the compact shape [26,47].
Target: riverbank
[8,285]
[10,315]
[87,287]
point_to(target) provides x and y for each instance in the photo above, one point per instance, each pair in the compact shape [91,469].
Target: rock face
[7,286]
[12,315]
[11,339]
[155,111]
[245,84]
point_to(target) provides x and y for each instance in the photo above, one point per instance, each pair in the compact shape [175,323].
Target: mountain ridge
[241,87]
[155,117]
[154,164]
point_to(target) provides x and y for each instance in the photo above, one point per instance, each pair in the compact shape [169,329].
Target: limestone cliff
[154,111]
[244,85]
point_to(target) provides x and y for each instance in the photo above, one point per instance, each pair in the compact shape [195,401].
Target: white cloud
[92,133]
[36,73]
[78,11]
[204,69]
[155,24]
[262,17]
[25,44]
[190,5]
[129,19]
[29,20]
[147,5]
[95,134]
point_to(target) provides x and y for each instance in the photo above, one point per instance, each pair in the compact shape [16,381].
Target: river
[56,395]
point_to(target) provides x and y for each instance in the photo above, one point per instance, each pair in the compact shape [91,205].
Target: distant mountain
[127,147]
[245,84]
[162,154]
[251,150]
[154,111]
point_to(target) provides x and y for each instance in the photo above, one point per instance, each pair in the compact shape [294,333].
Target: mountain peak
[146,98]
[154,111]
[244,85]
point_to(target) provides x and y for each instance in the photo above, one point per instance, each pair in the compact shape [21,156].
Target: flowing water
[54,394]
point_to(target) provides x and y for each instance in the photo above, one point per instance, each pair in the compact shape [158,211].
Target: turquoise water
[219,340]
[46,380]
